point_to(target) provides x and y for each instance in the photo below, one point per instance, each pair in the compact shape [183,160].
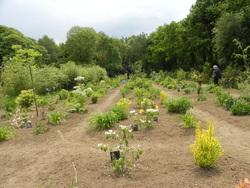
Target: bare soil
[68,152]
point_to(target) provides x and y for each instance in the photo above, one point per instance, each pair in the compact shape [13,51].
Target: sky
[116,18]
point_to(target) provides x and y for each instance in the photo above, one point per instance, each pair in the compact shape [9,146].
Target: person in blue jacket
[217,74]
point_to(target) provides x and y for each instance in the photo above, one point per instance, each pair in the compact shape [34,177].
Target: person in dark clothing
[217,74]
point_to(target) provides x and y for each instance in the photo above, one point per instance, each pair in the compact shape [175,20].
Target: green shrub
[179,105]
[42,100]
[120,112]
[55,117]
[188,90]
[63,94]
[40,128]
[25,99]
[95,97]
[163,97]
[225,100]
[6,133]
[101,121]
[77,108]
[125,91]
[8,104]
[240,108]
[189,120]
[206,148]
[212,88]
[202,97]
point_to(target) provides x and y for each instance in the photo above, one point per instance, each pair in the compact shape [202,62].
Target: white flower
[122,127]
[132,112]
[99,145]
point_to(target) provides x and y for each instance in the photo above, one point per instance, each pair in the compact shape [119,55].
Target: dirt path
[35,156]
[233,137]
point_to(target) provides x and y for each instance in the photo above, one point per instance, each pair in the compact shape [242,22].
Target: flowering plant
[20,118]
[128,154]
[145,117]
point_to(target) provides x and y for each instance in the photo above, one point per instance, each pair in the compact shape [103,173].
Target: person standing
[217,74]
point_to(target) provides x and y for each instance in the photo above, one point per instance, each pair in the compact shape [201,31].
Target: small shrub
[206,148]
[125,91]
[20,118]
[102,121]
[202,97]
[95,97]
[123,103]
[163,97]
[6,133]
[147,103]
[188,90]
[55,117]
[189,120]
[40,128]
[25,99]
[120,113]
[225,100]
[212,88]
[128,154]
[77,108]
[240,108]
[63,94]
[42,101]
[179,105]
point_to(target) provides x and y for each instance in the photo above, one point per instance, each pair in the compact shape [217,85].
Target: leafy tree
[81,44]
[108,55]
[51,47]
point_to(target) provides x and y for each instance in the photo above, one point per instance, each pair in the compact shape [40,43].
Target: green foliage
[206,148]
[147,103]
[42,100]
[20,118]
[6,133]
[225,100]
[128,154]
[125,91]
[120,113]
[212,88]
[240,108]
[63,94]
[55,118]
[163,97]
[101,121]
[8,104]
[179,105]
[95,97]
[77,108]
[189,120]
[202,97]
[40,128]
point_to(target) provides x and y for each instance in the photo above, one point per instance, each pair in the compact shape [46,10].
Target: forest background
[214,32]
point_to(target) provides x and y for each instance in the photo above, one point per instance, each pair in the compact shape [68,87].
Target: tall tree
[81,44]
[51,47]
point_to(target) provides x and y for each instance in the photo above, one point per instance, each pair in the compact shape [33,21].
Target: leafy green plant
[188,90]
[206,148]
[40,128]
[6,133]
[42,101]
[202,97]
[25,99]
[129,155]
[225,100]
[55,118]
[101,121]
[147,103]
[189,120]
[240,108]
[125,91]
[95,97]
[120,113]
[212,88]
[77,108]
[179,105]
[63,94]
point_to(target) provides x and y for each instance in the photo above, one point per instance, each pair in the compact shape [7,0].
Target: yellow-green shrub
[25,99]
[206,148]
[123,103]
[163,97]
